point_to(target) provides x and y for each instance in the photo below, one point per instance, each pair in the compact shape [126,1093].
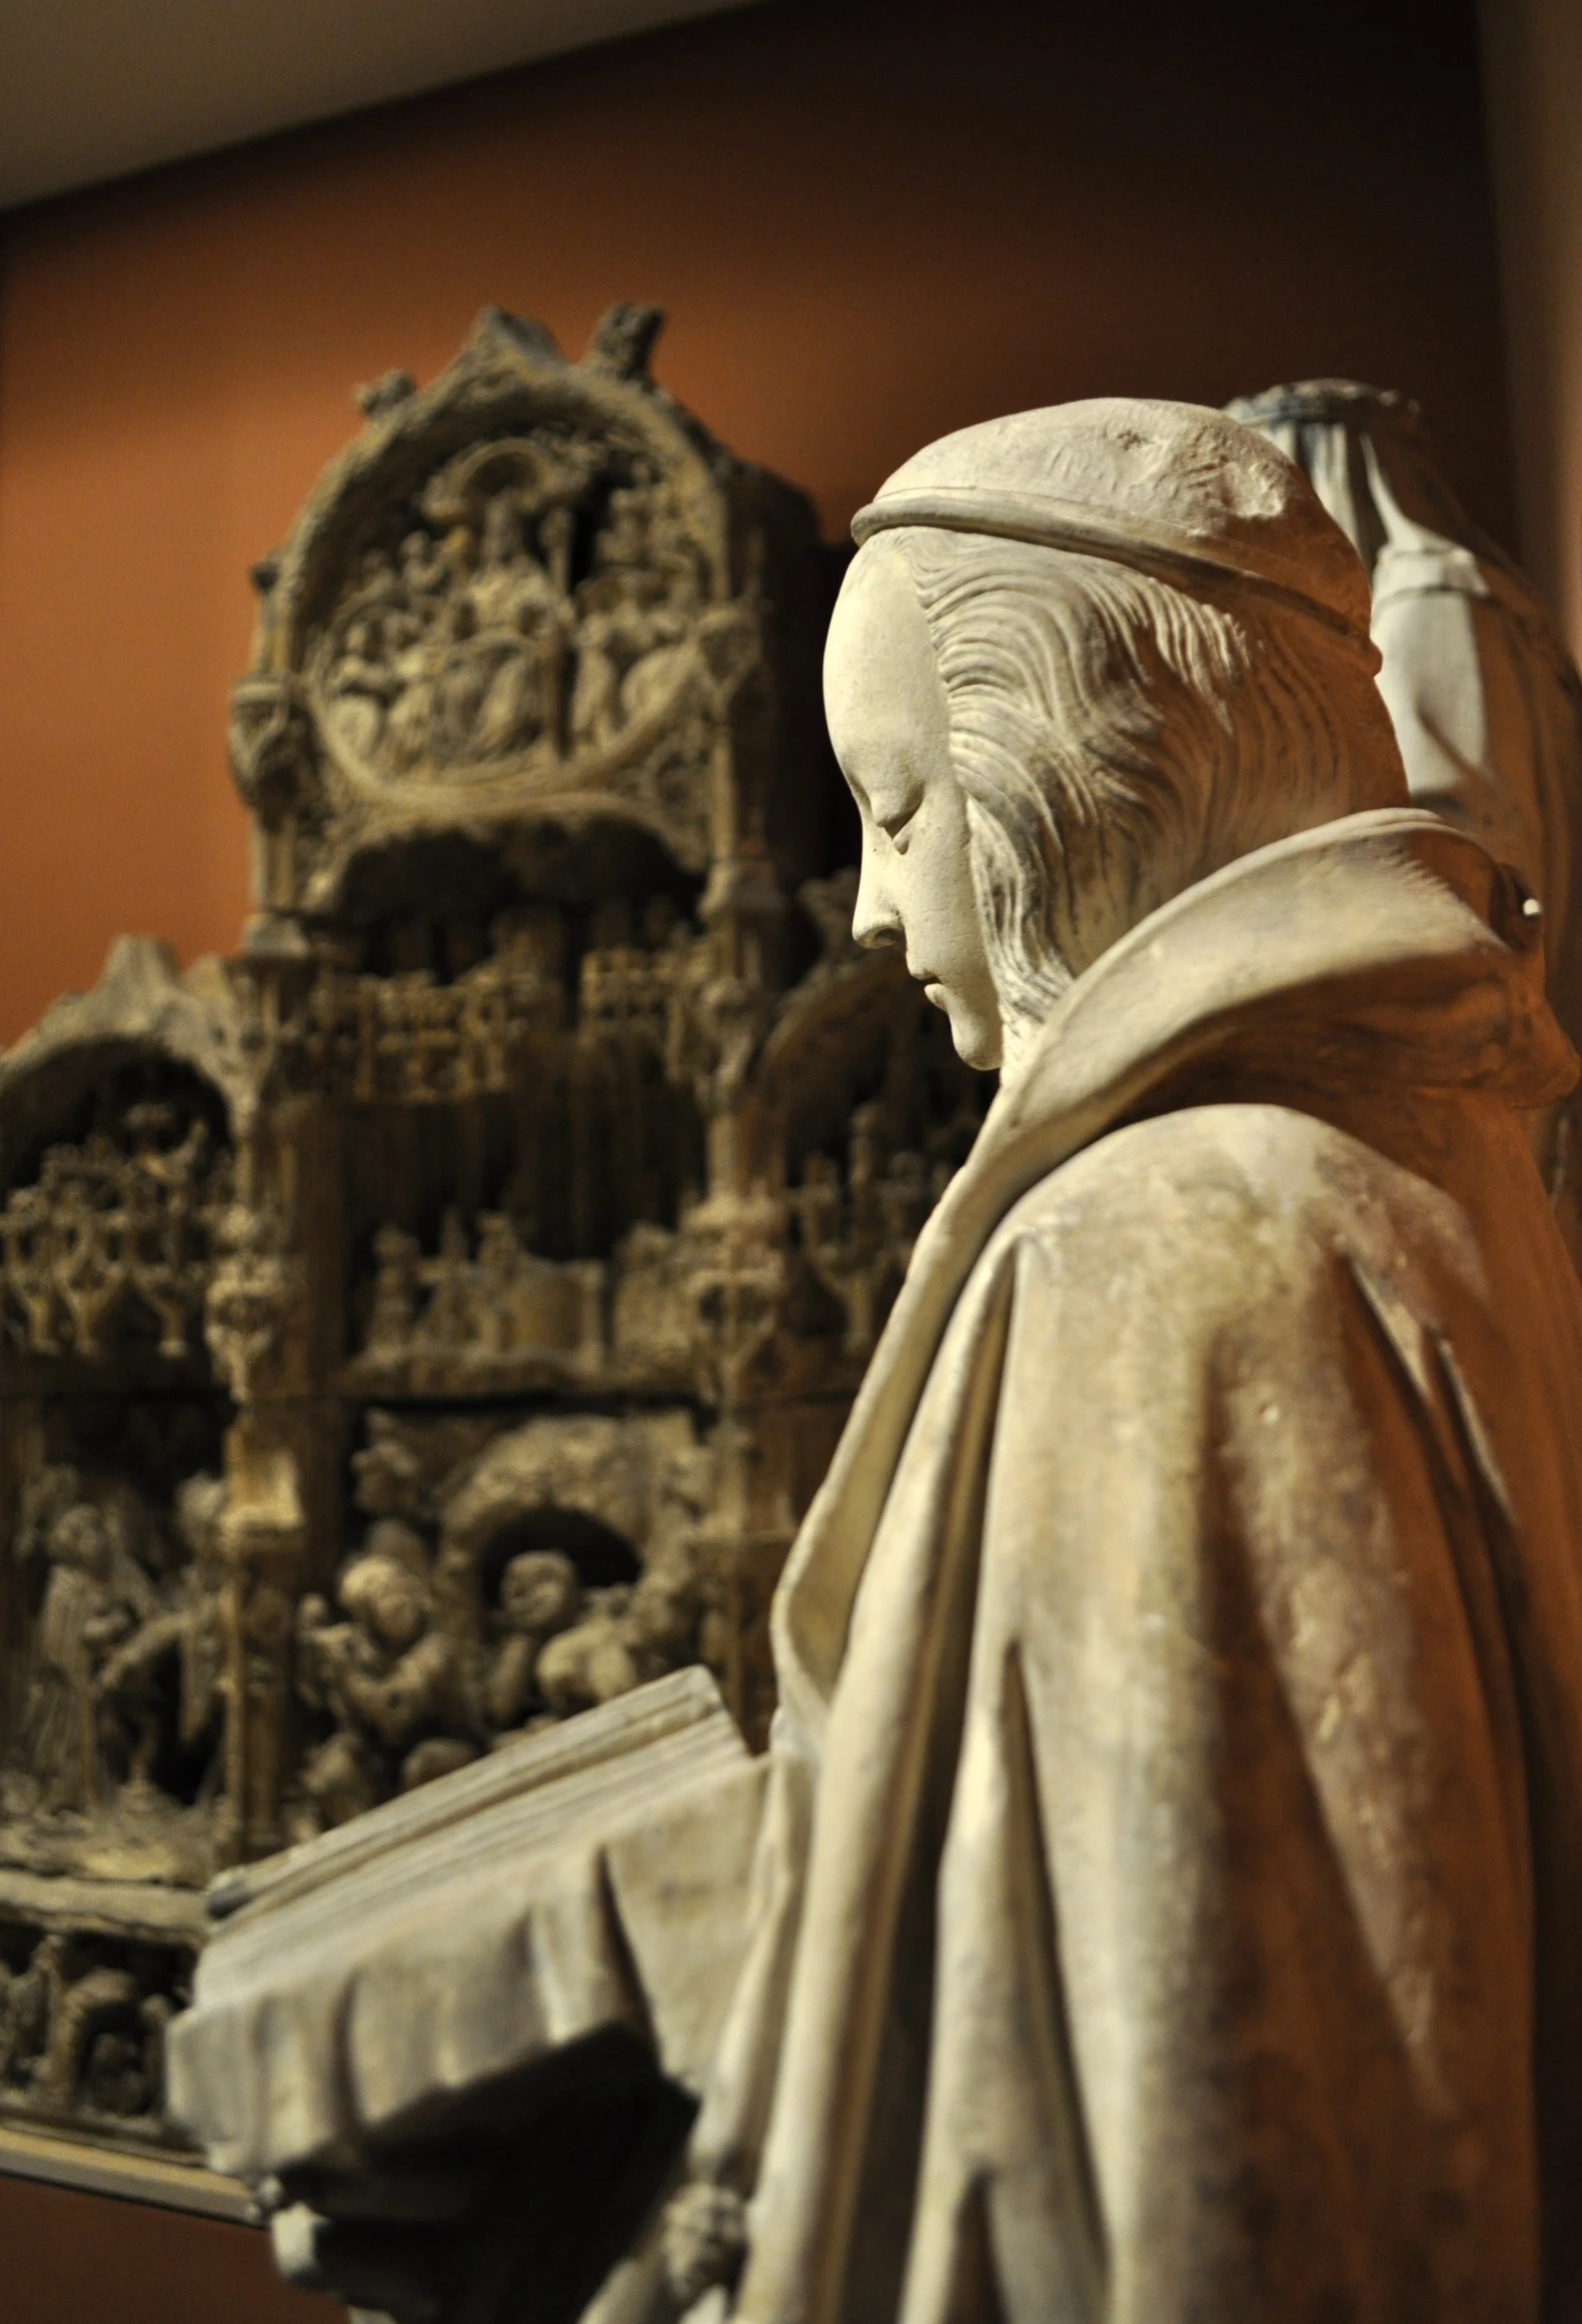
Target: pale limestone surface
[589,1877]
[396,2010]
[1170,1878]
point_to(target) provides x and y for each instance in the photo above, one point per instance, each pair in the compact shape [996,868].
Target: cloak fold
[1170,1892]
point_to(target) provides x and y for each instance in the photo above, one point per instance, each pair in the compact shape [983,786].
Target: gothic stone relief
[502,1581]
[83,2016]
[115,1233]
[531,606]
[114,1766]
[432,1322]
[524,583]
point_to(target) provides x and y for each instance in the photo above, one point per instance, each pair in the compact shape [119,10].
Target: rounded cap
[1174,489]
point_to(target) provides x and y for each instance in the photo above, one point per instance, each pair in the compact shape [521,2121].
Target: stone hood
[1384,950]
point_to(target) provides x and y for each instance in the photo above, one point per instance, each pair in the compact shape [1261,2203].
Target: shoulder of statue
[1167,1193]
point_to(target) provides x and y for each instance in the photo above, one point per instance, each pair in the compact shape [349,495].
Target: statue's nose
[874,919]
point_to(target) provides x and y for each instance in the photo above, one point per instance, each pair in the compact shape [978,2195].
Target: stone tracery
[432,1322]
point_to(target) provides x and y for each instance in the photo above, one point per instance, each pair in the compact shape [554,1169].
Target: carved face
[388,1478]
[890,727]
[389,1603]
[80,1540]
[538,1592]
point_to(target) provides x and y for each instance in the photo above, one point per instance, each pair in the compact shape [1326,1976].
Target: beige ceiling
[90,89]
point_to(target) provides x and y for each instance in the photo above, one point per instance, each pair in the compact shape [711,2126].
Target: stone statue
[1150,1662]
[1485,698]
[1168,1887]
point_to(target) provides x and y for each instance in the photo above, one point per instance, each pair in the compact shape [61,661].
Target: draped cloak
[1170,1899]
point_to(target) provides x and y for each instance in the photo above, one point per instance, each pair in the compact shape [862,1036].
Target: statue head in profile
[1084,658]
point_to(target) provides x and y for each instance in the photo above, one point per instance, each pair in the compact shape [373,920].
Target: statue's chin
[976,1044]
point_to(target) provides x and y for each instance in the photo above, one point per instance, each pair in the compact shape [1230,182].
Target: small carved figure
[24,2021]
[462,664]
[252,1289]
[629,1634]
[540,1596]
[446,1319]
[518,608]
[502,1270]
[92,1600]
[394,1313]
[387,1475]
[361,685]
[630,638]
[1482,691]
[661,1618]
[593,1660]
[31,1997]
[393,1681]
[187,1632]
[858,1238]
[117,2076]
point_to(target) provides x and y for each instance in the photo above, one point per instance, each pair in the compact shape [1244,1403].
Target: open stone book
[522,1965]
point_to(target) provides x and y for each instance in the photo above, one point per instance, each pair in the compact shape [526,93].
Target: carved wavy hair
[1118,740]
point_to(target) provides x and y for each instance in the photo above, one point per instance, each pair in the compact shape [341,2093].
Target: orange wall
[871,220]
[84,2259]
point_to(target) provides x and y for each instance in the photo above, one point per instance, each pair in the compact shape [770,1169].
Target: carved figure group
[126,1656]
[482,1305]
[468,646]
[858,1238]
[414,1684]
[411,1037]
[82,2023]
[112,1229]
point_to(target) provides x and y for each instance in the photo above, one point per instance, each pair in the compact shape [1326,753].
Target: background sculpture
[433,1320]
[1485,698]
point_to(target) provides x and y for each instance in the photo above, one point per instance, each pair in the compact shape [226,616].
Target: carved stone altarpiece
[433,1320]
